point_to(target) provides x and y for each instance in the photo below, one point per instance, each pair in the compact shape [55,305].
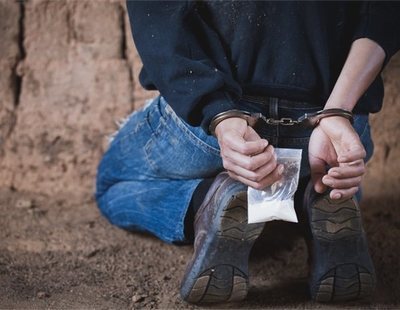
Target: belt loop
[273,111]
[273,108]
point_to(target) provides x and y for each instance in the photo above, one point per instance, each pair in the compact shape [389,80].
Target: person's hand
[335,143]
[247,158]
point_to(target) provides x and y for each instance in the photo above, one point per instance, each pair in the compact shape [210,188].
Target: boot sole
[219,272]
[345,270]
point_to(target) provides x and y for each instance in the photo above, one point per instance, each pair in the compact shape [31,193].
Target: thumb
[318,170]
[354,153]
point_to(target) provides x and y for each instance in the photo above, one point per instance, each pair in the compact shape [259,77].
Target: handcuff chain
[309,120]
[284,121]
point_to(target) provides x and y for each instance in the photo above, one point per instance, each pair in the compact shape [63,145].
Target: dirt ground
[57,254]
[68,71]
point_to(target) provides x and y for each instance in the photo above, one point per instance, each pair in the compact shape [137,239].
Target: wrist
[314,119]
[232,123]
[340,101]
[249,118]
[335,123]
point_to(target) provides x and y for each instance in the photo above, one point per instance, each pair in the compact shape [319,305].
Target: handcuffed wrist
[336,117]
[313,120]
[308,120]
[250,118]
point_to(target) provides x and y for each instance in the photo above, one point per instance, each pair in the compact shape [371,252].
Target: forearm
[362,65]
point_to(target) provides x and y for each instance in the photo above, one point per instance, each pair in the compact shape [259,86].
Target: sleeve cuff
[380,28]
[216,103]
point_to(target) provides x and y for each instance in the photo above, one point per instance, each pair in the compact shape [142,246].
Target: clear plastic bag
[276,202]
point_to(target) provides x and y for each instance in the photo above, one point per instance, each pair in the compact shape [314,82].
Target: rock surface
[69,75]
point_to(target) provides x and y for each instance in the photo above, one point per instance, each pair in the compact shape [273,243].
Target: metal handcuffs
[308,120]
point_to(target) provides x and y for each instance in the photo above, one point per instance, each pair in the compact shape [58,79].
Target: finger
[254,176]
[341,183]
[356,163]
[343,193]
[250,163]
[251,135]
[354,154]
[347,171]
[241,146]
[271,178]
[267,181]
[318,170]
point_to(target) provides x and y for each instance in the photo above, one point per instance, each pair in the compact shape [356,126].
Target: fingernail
[280,169]
[337,196]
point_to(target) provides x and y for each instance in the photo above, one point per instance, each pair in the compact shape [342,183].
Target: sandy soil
[56,254]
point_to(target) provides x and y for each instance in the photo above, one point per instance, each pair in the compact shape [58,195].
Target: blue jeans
[147,177]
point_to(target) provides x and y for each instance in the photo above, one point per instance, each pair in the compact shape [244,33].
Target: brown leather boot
[341,266]
[218,270]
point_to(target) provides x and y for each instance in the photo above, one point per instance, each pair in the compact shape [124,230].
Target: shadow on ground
[62,255]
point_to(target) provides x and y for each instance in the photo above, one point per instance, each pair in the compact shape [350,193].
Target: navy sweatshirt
[204,55]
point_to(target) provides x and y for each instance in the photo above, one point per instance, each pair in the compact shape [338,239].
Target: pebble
[42,295]
[24,204]
[138,298]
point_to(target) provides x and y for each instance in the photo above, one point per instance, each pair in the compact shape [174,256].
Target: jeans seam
[147,148]
[196,140]
[364,131]
[180,228]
